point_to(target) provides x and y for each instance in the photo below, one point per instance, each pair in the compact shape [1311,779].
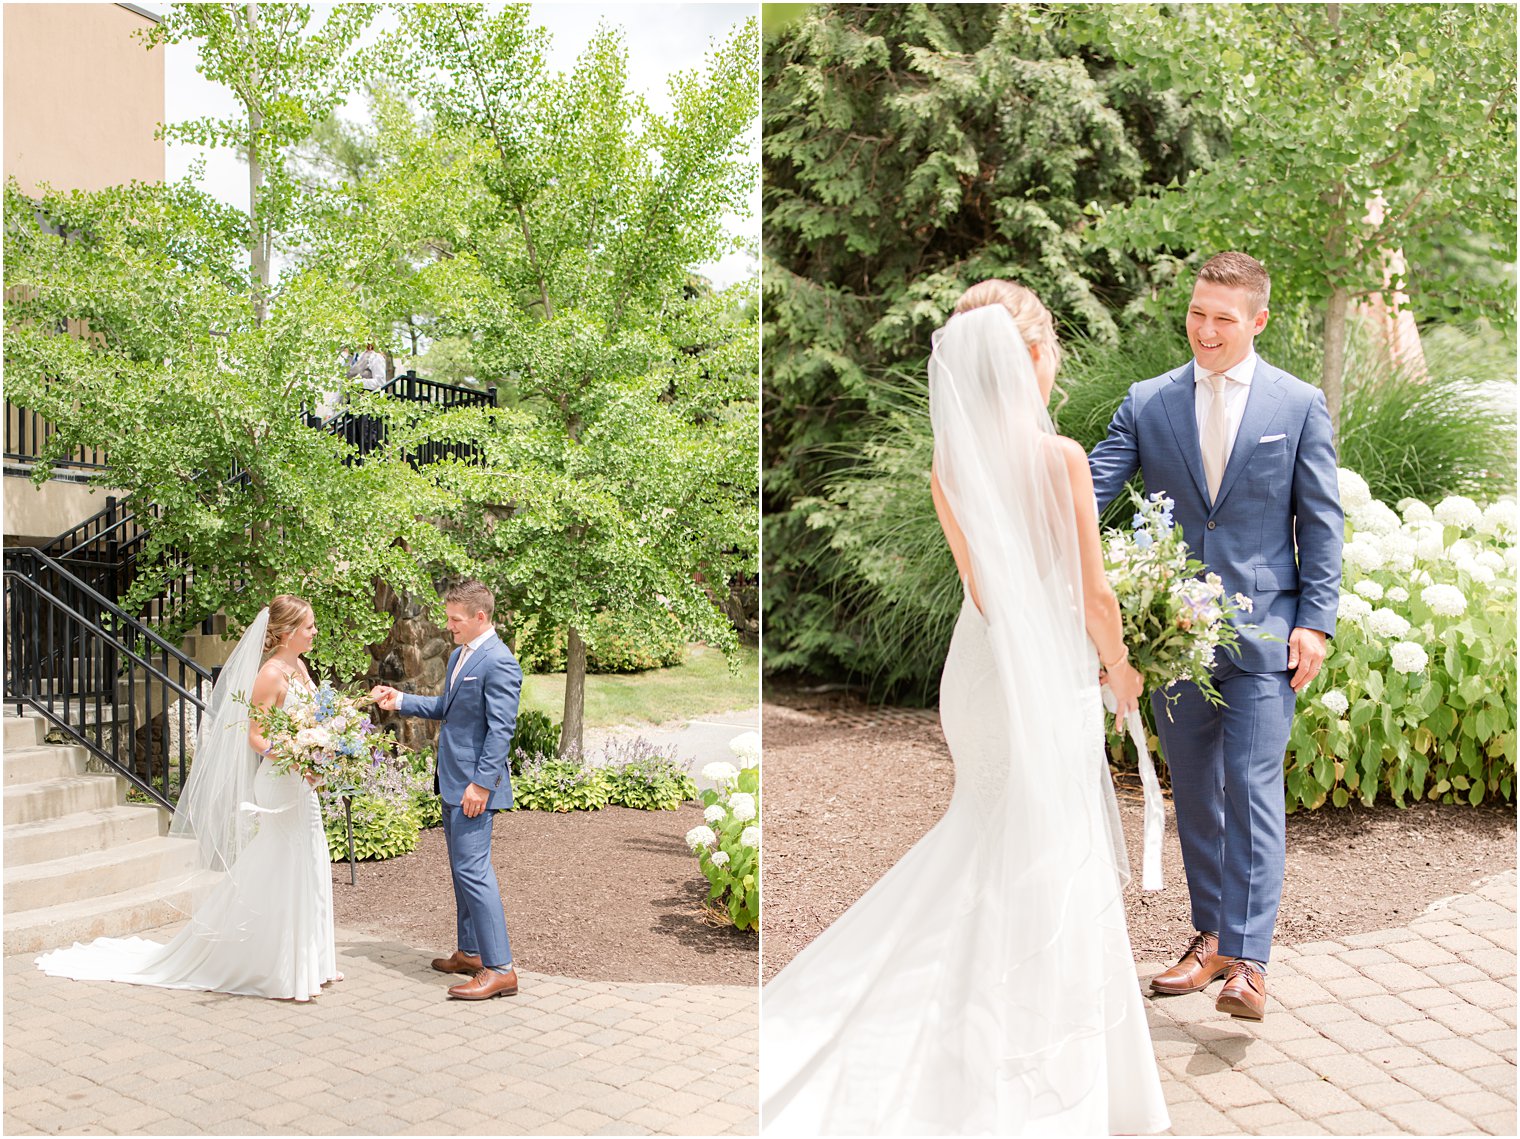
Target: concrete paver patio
[383,1052]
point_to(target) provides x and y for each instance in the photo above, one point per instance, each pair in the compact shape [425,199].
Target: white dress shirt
[1235,393]
[469,651]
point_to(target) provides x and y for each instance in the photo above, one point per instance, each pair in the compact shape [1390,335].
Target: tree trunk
[1333,371]
[572,734]
[258,237]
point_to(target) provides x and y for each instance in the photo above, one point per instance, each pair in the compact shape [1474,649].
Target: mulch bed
[849,788]
[609,895]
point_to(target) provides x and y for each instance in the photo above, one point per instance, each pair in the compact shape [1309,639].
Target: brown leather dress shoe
[1200,963]
[488,983]
[458,962]
[1245,992]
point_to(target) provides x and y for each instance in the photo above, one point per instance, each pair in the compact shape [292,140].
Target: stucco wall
[83,96]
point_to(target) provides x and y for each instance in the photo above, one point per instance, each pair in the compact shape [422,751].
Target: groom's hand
[1306,654]
[386,697]
[474,800]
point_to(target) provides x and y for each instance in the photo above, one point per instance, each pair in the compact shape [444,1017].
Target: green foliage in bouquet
[643,779]
[1176,618]
[1417,697]
[560,783]
[727,844]
[382,829]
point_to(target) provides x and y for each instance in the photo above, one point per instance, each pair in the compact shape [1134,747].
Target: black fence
[104,678]
[27,436]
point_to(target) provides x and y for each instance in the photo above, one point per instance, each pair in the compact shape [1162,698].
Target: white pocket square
[462,679]
[1272,438]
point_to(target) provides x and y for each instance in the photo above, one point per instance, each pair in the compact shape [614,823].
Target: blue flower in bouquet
[1143,539]
[325,703]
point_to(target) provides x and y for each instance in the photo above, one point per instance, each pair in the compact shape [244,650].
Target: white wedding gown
[265,929]
[985,984]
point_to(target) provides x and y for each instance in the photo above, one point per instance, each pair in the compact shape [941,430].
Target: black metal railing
[101,676]
[27,435]
[367,433]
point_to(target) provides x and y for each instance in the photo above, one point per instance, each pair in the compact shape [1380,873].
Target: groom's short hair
[472,594]
[1239,271]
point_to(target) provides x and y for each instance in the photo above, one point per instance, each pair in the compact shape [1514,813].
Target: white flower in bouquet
[750,837]
[715,813]
[700,838]
[1387,623]
[338,724]
[1363,553]
[1399,551]
[1414,510]
[1335,700]
[1397,593]
[1244,603]
[721,772]
[1408,657]
[1353,608]
[1374,517]
[742,804]
[1444,600]
[1499,519]
[746,748]
[1459,511]
[720,858]
[1354,489]
[313,739]
[1369,589]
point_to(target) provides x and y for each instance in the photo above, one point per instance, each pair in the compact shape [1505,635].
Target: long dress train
[985,984]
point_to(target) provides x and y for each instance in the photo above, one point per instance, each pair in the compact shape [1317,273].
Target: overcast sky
[661,39]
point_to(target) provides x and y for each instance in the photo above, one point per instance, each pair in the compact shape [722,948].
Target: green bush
[553,783]
[643,779]
[381,830]
[1417,696]
[615,642]
[425,801]
[536,733]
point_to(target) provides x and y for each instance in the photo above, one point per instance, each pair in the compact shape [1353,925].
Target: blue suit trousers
[1226,765]
[477,898]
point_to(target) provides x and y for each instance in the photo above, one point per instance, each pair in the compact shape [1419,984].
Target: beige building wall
[83,96]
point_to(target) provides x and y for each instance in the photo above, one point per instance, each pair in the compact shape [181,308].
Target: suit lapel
[1262,400]
[1179,400]
[479,658]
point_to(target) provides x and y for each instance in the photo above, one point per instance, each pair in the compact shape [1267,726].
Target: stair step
[43,762]
[23,731]
[54,798]
[115,915]
[81,832]
[71,709]
[96,873]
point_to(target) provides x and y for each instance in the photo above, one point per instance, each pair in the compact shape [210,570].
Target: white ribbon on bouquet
[1155,807]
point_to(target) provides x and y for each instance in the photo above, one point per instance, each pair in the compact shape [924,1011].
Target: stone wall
[412,658]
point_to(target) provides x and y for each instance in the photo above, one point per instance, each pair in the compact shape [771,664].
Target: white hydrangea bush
[728,845]
[1417,696]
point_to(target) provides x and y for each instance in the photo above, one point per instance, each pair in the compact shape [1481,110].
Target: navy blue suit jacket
[479,714]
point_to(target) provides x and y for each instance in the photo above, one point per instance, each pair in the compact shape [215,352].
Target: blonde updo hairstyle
[287,613]
[1029,313]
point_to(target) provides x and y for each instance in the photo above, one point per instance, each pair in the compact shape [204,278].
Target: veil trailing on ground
[216,815]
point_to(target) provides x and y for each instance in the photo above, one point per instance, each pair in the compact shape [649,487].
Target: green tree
[911,150]
[556,219]
[1328,106]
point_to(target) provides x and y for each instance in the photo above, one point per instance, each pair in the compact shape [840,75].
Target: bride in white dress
[985,984]
[260,883]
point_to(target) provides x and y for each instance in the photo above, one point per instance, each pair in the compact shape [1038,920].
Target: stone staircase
[80,862]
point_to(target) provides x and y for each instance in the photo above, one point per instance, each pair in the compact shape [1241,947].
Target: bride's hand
[1126,685]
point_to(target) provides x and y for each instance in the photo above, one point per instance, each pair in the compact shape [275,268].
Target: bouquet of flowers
[1175,617]
[327,736]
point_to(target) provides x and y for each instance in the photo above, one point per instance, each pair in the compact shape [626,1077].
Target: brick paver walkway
[1403,1031]
[382,1052]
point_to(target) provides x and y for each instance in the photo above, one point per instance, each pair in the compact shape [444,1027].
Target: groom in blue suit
[478,708]
[1246,452]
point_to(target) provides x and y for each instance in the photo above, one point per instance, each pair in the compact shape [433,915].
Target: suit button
[1212,525]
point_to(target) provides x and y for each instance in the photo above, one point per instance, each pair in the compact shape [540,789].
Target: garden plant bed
[852,787]
[609,895]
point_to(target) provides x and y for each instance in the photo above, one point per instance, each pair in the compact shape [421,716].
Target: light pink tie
[1216,436]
